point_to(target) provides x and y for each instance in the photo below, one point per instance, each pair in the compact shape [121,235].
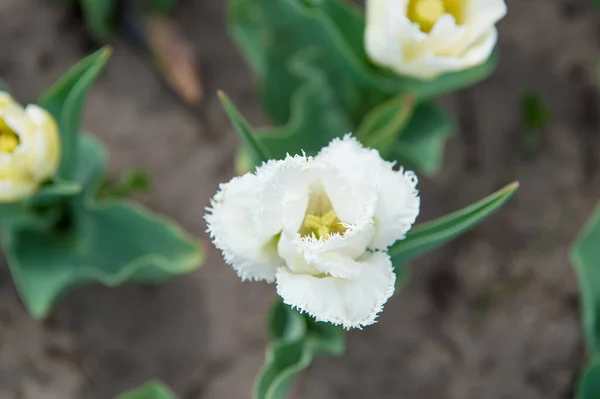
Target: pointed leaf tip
[256,149]
[430,235]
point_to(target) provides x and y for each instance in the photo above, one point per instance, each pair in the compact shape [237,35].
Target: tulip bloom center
[320,219]
[427,12]
[9,140]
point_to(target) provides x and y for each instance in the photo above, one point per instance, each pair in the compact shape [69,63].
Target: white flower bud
[426,38]
[29,148]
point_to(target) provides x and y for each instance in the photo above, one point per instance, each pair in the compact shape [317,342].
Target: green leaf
[317,115]
[52,192]
[283,361]
[316,118]
[272,33]
[589,384]
[534,113]
[109,242]
[134,181]
[17,214]
[585,256]
[535,116]
[325,338]
[161,6]
[298,339]
[382,126]
[65,101]
[421,145]
[285,323]
[151,390]
[99,16]
[258,153]
[428,236]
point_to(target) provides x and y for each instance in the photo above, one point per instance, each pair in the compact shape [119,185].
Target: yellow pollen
[8,139]
[323,226]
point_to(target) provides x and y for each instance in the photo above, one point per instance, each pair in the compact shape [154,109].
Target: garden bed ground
[494,315]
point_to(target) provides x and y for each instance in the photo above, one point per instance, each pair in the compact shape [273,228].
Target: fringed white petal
[352,303]
[282,201]
[336,256]
[352,178]
[397,208]
[230,222]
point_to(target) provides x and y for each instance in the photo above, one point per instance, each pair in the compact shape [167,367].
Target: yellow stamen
[427,12]
[8,140]
[323,226]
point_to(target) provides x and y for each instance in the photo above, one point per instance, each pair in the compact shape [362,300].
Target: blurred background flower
[29,148]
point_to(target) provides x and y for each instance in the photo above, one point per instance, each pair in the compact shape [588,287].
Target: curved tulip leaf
[348,19]
[316,120]
[298,339]
[54,191]
[589,384]
[151,390]
[65,101]
[132,182]
[18,214]
[256,150]
[383,125]
[284,359]
[36,211]
[271,33]
[428,236]
[585,256]
[317,115]
[421,145]
[108,242]
[285,323]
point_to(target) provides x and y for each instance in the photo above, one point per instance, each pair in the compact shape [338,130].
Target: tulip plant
[334,232]
[57,231]
[327,215]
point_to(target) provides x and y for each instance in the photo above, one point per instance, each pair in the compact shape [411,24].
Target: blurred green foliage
[317,83]
[66,236]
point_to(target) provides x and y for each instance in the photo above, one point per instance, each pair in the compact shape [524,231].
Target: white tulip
[29,148]
[426,38]
[320,228]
